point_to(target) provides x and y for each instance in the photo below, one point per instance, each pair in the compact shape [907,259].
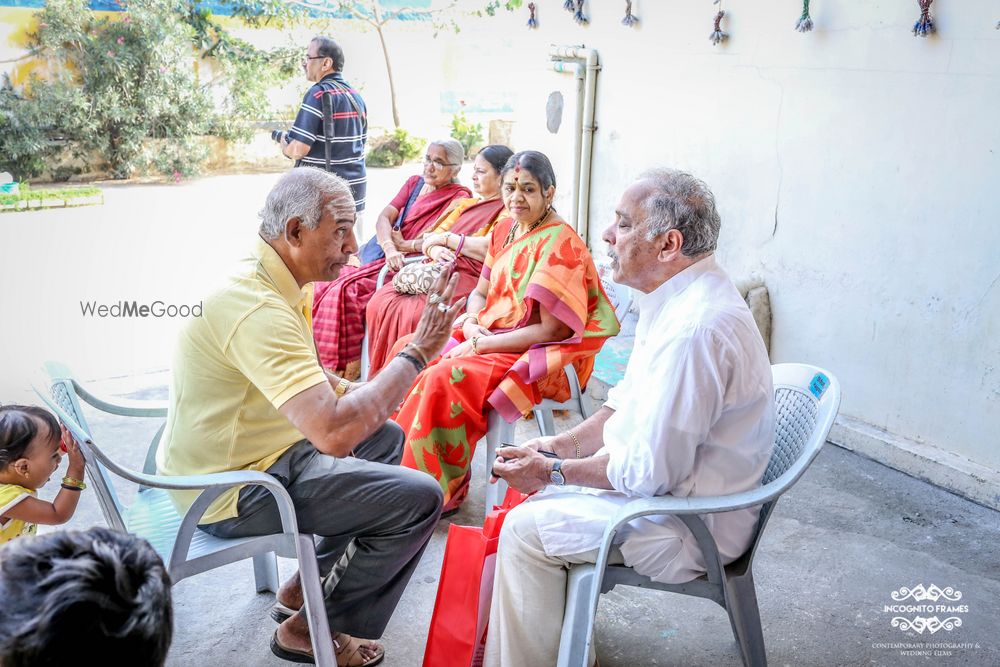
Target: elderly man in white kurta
[693,416]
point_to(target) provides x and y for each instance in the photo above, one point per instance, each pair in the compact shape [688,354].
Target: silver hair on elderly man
[685,203]
[300,193]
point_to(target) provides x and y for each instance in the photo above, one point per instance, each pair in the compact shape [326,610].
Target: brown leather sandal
[345,647]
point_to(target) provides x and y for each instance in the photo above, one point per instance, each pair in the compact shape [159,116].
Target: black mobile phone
[551,455]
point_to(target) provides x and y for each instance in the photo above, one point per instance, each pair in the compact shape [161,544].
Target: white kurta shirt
[694,416]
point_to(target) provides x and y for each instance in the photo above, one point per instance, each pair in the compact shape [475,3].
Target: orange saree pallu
[444,415]
[392,315]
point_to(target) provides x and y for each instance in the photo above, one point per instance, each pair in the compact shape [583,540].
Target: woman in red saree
[462,236]
[339,306]
[538,306]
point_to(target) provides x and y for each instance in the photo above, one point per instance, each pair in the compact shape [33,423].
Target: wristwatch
[556,476]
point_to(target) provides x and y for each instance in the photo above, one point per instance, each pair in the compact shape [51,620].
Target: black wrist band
[413,360]
[71,488]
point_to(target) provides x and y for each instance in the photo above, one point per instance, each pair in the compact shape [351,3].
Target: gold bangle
[342,387]
[575,441]
[74,482]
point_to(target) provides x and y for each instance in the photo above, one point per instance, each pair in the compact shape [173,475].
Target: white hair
[456,154]
[300,194]
[682,202]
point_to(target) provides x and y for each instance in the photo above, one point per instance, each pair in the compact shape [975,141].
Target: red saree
[444,415]
[339,305]
[392,315]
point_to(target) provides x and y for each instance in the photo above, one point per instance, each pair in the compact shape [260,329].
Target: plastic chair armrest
[123,407]
[385,269]
[213,488]
[119,406]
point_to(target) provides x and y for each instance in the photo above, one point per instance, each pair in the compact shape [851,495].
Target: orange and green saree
[444,415]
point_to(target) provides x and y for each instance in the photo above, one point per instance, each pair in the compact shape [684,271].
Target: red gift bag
[457,636]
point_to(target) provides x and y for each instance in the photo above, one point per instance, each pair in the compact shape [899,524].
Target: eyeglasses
[309,57]
[437,164]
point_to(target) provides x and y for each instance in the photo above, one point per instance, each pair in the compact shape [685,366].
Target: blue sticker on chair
[819,384]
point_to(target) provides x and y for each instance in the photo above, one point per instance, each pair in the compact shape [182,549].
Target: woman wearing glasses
[461,236]
[339,306]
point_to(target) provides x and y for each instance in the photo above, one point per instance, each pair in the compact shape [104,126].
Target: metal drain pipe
[586,67]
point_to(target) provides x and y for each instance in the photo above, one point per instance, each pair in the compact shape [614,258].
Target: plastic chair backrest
[794,420]
[63,393]
[806,402]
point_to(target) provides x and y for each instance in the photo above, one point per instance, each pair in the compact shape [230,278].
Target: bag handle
[409,202]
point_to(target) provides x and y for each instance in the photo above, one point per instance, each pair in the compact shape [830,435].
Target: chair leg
[744,615]
[364,357]
[312,593]
[546,423]
[500,431]
[265,572]
[578,625]
[586,405]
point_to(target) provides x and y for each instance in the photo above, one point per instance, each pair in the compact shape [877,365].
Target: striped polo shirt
[347,154]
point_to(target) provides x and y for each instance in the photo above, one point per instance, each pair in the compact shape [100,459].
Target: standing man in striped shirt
[305,143]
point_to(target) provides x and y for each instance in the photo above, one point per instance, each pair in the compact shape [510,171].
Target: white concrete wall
[856,168]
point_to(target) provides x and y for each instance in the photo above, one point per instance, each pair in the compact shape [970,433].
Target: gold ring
[434,298]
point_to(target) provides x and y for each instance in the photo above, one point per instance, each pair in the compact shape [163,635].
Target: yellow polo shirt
[250,351]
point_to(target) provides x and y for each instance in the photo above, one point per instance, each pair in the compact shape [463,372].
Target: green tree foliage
[465,132]
[127,88]
[393,149]
[23,138]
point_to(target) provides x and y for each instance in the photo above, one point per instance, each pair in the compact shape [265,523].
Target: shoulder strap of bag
[327,129]
[409,202]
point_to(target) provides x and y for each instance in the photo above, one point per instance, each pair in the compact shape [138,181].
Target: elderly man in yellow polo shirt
[248,393]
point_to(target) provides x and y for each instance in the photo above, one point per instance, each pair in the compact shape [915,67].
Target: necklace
[532,227]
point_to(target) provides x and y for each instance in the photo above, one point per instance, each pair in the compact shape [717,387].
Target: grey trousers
[372,520]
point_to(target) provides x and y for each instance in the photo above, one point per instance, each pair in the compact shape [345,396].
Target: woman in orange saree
[461,236]
[538,306]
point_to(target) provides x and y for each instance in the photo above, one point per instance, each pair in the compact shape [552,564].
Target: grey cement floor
[848,535]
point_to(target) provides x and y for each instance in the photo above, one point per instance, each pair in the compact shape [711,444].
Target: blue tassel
[629,20]
[532,21]
[925,24]
[569,5]
[579,16]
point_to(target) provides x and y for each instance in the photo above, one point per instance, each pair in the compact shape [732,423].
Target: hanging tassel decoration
[805,22]
[629,19]
[532,20]
[925,24]
[569,5]
[579,16]
[717,36]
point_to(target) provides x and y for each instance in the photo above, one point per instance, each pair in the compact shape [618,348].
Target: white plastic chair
[500,431]
[806,402]
[184,548]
